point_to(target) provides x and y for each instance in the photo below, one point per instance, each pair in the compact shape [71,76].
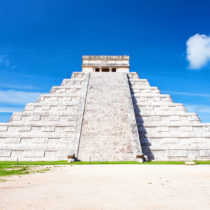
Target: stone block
[33,153]
[186,128]
[15,117]
[29,107]
[48,129]
[29,141]
[177,153]
[36,129]
[24,128]
[5,152]
[30,118]
[193,154]
[3,128]
[54,118]
[7,140]
[50,155]
[176,118]
[205,153]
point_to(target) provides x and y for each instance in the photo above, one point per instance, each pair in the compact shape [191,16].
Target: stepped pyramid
[104,113]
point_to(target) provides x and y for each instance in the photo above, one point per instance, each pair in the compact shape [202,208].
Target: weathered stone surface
[166,129]
[106,132]
[45,129]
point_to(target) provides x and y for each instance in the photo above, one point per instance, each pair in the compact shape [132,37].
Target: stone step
[78,75]
[58,103]
[159,108]
[139,83]
[72,82]
[59,134]
[44,113]
[164,113]
[50,123]
[175,147]
[47,107]
[142,90]
[175,134]
[32,140]
[42,116]
[141,97]
[57,96]
[138,80]
[155,103]
[35,129]
[69,85]
[64,90]
[32,155]
[61,89]
[172,123]
[133,75]
[172,114]
[197,128]
[33,147]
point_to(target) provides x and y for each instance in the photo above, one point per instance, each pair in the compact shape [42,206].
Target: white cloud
[5,62]
[203,111]
[20,97]
[198,108]
[188,94]
[16,86]
[11,109]
[198,50]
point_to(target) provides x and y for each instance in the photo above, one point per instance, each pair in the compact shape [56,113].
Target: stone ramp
[167,131]
[109,129]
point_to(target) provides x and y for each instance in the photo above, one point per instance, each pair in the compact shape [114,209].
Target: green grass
[8,170]
[202,162]
[60,162]
[65,162]
[12,169]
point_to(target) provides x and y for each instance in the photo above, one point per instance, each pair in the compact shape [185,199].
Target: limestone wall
[47,129]
[167,131]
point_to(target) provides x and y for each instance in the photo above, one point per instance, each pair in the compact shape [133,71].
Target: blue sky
[42,42]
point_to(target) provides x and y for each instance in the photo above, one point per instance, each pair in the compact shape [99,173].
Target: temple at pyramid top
[106,63]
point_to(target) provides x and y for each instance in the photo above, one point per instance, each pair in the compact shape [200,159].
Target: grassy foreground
[8,168]
[65,162]
[11,169]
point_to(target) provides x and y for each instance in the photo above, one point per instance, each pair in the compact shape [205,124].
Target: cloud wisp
[198,108]
[188,94]
[11,109]
[5,62]
[19,97]
[198,51]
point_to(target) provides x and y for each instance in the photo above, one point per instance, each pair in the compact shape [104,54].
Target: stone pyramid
[104,113]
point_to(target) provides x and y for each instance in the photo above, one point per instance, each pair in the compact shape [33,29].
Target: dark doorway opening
[105,70]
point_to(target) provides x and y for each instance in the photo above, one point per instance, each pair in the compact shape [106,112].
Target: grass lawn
[12,169]
[8,168]
[65,162]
